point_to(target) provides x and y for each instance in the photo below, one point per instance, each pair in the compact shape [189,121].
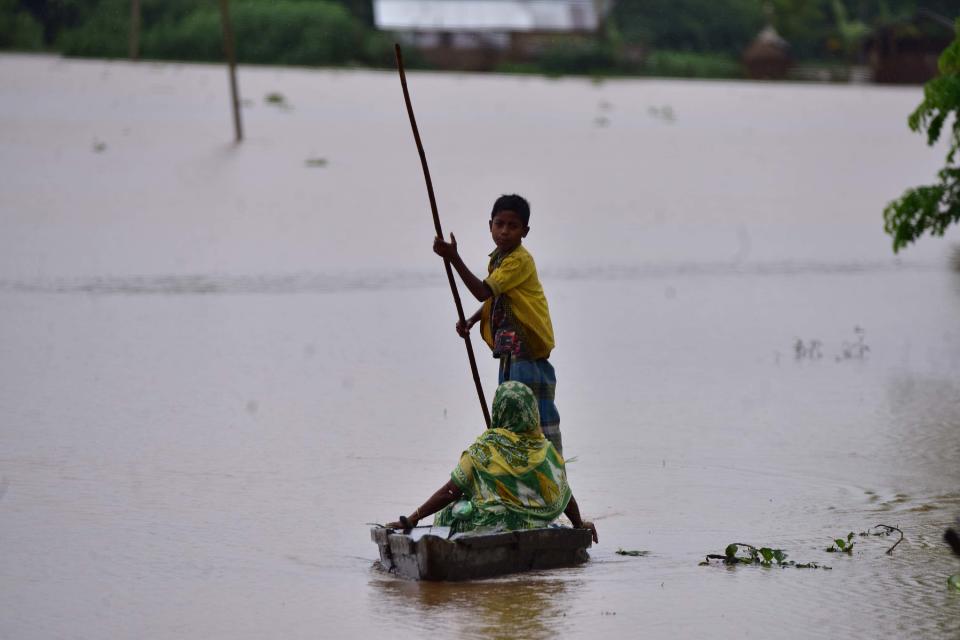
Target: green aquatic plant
[933,208]
[743,553]
[841,545]
[764,556]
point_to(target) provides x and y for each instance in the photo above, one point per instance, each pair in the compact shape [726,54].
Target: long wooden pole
[134,43]
[231,55]
[436,224]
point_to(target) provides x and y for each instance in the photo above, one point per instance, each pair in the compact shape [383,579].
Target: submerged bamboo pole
[231,55]
[134,43]
[436,224]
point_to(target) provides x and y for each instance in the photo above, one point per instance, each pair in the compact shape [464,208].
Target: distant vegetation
[286,32]
[697,38]
[933,208]
[19,30]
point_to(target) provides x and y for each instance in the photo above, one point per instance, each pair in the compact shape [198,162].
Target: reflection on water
[927,411]
[532,606]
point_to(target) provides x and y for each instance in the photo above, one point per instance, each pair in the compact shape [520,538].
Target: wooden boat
[430,553]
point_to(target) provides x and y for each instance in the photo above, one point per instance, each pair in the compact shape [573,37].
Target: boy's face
[507,230]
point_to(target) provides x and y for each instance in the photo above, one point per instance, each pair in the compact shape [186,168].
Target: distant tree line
[684,37]
[286,32]
[815,29]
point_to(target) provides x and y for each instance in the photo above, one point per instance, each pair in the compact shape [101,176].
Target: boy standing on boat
[514,319]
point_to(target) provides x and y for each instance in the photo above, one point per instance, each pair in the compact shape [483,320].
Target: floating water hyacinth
[841,545]
[762,556]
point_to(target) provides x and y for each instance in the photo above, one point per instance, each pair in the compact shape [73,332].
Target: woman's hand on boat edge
[593,529]
[412,520]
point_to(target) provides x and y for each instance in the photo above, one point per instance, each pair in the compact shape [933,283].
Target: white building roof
[485,15]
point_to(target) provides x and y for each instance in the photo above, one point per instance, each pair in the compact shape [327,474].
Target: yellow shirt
[516,278]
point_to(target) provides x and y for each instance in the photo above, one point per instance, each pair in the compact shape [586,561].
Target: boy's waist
[518,345]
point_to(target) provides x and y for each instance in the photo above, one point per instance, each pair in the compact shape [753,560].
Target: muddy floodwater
[219,362]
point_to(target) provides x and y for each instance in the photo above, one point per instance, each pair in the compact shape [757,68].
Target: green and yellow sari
[512,476]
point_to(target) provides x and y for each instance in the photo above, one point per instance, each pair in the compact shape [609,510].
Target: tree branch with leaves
[932,208]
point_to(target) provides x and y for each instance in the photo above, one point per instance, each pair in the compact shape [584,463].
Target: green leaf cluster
[841,545]
[933,208]
[742,553]
[19,30]
[288,32]
[764,556]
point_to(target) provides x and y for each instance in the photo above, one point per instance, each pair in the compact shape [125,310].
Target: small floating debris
[664,113]
[99,146]
[277,99]
[885,530]
[316,162]
[952,538]
[854,350]
[632,553]
[809,350]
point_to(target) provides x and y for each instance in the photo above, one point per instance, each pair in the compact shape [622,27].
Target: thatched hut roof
[768,56]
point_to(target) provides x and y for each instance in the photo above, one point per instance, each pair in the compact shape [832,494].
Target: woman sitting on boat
[510,478]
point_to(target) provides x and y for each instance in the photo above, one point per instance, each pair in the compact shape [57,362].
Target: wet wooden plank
[431,557]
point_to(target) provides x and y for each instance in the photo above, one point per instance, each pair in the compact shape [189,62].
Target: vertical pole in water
[134,49]
[231,55]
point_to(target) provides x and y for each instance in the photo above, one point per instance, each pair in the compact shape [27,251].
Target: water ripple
[334,282]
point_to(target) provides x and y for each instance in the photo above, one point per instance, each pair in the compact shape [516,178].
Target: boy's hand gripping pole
[436,224]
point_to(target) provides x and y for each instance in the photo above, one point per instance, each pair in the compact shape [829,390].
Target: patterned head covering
[512,475]
[515,408]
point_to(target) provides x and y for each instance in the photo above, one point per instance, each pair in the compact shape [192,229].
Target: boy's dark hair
[513,203]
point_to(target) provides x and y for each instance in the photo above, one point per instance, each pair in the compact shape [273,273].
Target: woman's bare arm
[573,512]
[441,498]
